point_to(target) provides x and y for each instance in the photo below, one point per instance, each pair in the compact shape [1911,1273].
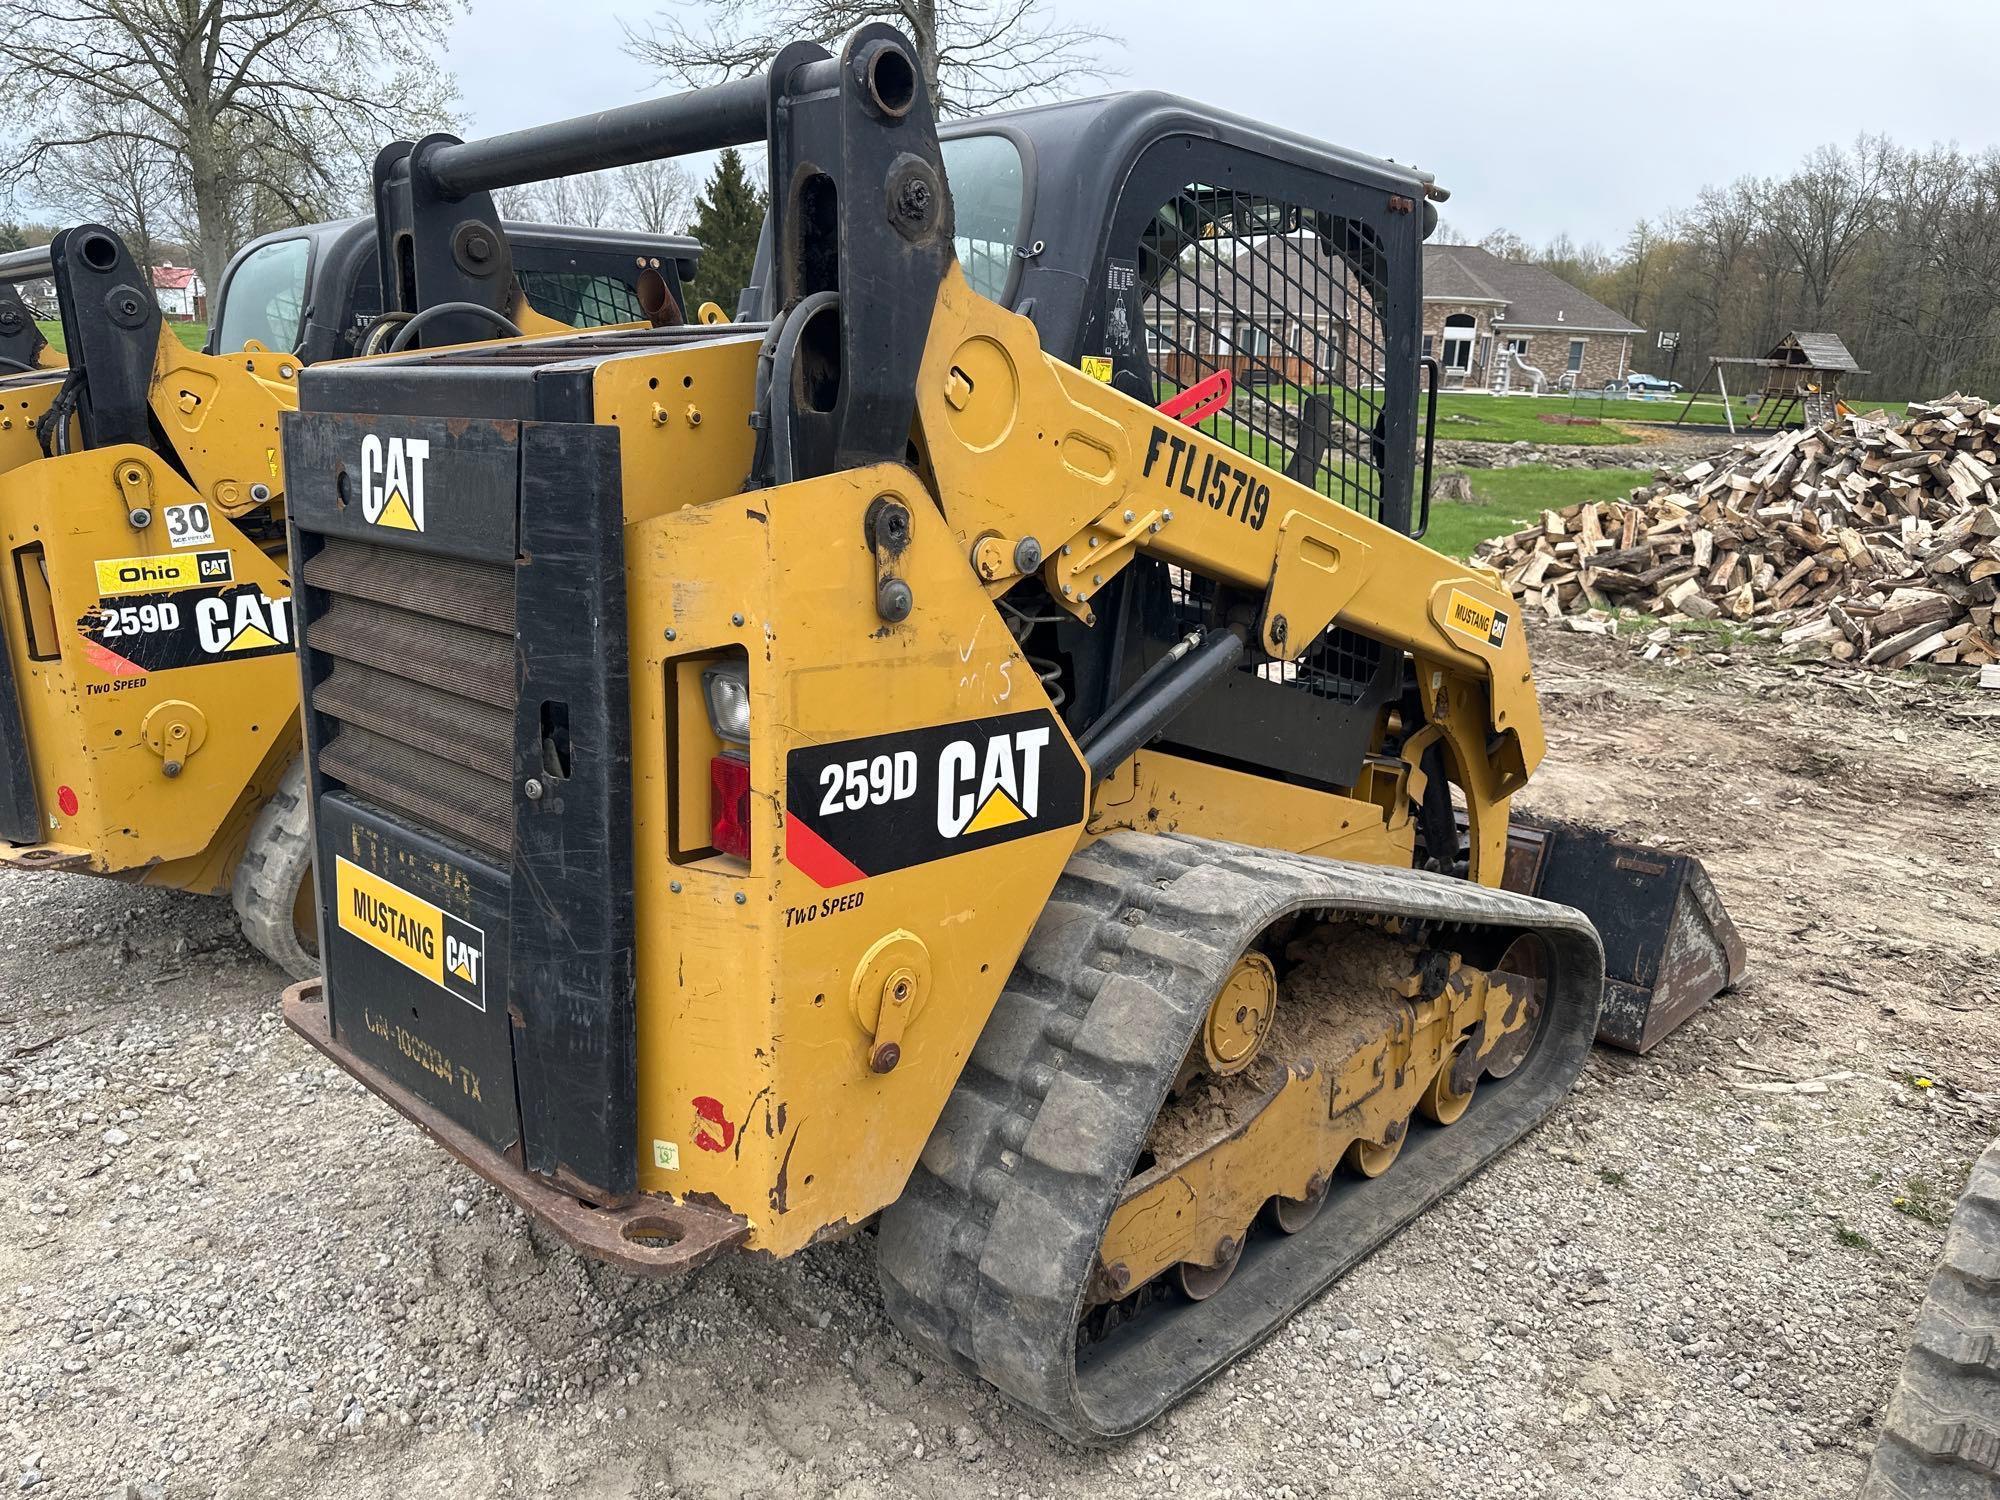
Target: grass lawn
[1596,420]
[1474,416]
[191,334]
[1465,416]
[1513,498]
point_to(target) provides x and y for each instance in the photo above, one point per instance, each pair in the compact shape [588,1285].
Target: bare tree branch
[247,113]
[978,55]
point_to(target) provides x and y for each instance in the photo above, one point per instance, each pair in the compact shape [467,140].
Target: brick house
[1279,308]
[1473,297]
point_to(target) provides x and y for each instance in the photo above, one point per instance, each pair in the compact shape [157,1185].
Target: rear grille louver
[421,689]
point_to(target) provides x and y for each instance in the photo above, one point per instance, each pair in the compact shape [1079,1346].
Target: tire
[1941,1436]
[272,888]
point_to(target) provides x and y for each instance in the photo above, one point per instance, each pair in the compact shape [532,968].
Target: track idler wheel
[1239,1017]
[1525,963]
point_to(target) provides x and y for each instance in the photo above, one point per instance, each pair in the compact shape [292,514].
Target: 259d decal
[187,627]
[865,807]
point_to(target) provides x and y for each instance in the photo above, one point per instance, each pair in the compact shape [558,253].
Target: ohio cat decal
[863,807]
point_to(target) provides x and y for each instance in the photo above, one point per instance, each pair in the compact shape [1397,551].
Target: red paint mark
[66,800]
[1199,399]
[825,865]
[709,1112]
[105,659]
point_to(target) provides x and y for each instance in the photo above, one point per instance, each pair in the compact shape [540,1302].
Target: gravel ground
[225,1270]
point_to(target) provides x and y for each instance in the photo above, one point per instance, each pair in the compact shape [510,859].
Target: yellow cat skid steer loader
[148,690]
[23,345]
[862,765]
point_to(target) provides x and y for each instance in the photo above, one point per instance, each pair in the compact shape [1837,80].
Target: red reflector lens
[729,805]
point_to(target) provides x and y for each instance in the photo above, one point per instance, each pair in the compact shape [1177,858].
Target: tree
[257,105]
[589,200]
[1506,244]
[124,181]
[977,55]
[1823,211]
[656,196]
[727,218]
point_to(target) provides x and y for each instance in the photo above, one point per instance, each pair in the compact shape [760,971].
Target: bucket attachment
[1669,947]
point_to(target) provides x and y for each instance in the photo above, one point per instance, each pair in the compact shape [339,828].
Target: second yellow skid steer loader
[148,690]
[861,765]
[23,346]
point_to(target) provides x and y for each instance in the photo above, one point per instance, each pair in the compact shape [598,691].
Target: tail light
[729,805]
[726,689]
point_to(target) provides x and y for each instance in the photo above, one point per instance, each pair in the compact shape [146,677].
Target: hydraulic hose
[1111,740]
[380,331]
[1145,680]
[783,351]
[506,325]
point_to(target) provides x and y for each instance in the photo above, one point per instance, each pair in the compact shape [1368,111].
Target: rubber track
[985,1257]
[1941,1437]
[266,881]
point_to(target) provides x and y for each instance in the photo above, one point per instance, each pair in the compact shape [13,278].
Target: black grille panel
[447,588]
[419,692]
[440,724]
[455,800]
[451,658]
[431,657]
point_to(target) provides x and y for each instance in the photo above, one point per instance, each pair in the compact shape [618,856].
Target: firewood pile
[1876,542]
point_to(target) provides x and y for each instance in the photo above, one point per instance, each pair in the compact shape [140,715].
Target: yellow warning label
[448,952]
[160,575]
[1097,367]
[1468,616]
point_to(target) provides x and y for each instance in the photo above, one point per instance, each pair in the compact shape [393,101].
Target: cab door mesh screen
[581,300]
[1284,301]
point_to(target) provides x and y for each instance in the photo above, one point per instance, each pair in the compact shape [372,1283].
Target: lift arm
[1039,467]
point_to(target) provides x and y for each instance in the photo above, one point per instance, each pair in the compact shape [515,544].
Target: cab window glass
[266,299]
[987,198]
[579,299]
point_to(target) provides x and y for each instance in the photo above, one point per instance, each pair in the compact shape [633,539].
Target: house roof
[1534,297]
[1450,277]
[1823,351]
[1295,272]
[172,278]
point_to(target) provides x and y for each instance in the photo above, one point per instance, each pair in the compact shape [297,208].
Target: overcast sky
[1611,110]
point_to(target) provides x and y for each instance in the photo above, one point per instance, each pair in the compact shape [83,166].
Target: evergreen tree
[727,217]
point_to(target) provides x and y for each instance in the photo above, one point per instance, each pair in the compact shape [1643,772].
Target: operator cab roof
[1076,159]
[1086,145]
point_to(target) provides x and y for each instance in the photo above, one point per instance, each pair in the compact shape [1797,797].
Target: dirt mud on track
[225,1270]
